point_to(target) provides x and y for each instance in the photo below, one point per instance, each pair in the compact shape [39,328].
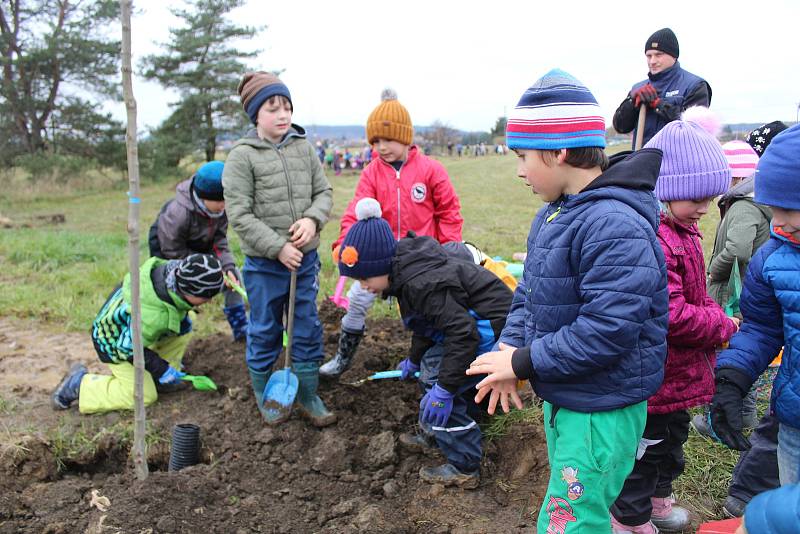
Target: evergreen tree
[49,49]
[204,67]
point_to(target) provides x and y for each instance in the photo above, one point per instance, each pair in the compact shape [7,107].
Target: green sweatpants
[591,455]
[104,393]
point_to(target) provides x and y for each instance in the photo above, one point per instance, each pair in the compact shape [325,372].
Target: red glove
[646,94]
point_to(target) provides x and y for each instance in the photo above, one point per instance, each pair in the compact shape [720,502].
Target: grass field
[61,273]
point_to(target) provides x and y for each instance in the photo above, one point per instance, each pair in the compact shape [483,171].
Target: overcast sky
[465,63]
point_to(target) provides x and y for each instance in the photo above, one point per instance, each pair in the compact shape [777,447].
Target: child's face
[274,119]
[787,220]
[545,179]
[390,150]
[688,212]
[375,284]
[214,206]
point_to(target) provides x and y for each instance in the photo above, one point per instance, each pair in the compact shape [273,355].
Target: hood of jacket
[630,178]
[742,190]
[184,196]
[414,256]
[252,139]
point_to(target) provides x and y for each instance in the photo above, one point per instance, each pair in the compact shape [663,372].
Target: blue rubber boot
[311,406]
[237,318]
[259,382]
[69,388]
[449,475]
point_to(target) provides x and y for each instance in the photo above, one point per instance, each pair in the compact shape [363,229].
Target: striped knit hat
[741,158]
[693,166]
[556,112]
[258,87]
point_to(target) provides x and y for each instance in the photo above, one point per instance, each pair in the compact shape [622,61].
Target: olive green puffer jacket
[268,187]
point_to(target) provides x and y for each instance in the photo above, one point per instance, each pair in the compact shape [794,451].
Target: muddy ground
[351,477]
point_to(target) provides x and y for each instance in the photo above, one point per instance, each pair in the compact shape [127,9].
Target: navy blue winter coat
[770,305]
[590,313]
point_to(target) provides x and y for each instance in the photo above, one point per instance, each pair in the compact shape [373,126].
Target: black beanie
[199,275]
[761,137]
[663,40]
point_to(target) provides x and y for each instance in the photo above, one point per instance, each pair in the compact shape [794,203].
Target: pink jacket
[696,323]
[418,197]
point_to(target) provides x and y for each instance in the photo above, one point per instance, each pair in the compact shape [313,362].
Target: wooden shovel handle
[640,126]
[290,319]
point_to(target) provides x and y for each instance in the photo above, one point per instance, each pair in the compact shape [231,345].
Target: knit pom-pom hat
[693,166]
[390,120]
[741,158]
[369,246]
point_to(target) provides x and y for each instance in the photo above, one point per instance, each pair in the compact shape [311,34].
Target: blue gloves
[171,376]
[436,406]
[408,369]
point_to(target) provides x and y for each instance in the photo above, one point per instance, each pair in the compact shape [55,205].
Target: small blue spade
[281,389]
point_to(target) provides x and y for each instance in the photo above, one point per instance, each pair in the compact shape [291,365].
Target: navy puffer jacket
[590,313]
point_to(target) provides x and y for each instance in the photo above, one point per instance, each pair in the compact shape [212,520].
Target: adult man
[667,92]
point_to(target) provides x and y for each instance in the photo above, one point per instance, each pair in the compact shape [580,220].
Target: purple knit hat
[693,166]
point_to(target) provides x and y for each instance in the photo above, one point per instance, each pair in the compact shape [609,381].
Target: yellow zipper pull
[553,215]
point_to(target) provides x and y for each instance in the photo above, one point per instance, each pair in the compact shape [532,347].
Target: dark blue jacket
[774,512]
[678,90]
[770,306]
[590,313]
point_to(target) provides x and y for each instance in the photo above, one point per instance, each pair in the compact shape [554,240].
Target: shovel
[337,298]
[236,287]
[381,375]
[281,389]
[640,127]
[200,383]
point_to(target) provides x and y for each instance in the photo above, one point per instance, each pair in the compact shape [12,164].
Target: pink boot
[619,528]
[669,518]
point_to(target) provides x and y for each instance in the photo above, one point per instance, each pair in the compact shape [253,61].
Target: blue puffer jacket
[590,313]
[770,306]
[774,512]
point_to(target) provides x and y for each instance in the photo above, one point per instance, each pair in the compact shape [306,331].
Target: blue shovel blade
[279,393]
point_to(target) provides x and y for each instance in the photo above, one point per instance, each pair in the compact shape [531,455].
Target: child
[771,308]
[415,194]
[169,289]
[195,221]
[775,512]
[278,200]
[589,318]
[693,171]
[455,309]
[757,468]
[743,227]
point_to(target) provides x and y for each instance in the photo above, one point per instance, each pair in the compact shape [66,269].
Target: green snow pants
[591,455]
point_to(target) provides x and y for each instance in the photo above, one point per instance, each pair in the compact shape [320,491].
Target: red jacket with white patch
[419,198]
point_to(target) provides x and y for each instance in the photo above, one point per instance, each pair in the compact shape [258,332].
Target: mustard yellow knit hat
[390,120]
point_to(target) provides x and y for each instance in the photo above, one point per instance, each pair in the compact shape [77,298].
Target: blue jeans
[460,438]
[788,454]
[267,283]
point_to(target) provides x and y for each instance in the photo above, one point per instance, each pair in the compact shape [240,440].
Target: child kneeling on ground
[195,221]
[169,290]
[455,309]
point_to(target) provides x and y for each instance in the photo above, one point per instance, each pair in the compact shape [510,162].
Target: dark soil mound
[351,477]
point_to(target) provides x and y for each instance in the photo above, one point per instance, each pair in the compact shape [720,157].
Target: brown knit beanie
[390,120]
[258,87]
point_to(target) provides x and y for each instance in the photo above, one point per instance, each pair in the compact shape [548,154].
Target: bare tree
[139,432]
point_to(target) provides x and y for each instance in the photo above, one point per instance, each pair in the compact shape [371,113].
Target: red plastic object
[728,526]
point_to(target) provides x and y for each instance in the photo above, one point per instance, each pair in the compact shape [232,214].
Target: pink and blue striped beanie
[741,158]
[556,112]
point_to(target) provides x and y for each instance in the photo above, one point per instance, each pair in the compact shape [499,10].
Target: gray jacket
[182,228]
[744,227]
[268,187]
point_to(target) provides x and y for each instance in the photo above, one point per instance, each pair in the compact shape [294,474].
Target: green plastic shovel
[200,383]
[236,287]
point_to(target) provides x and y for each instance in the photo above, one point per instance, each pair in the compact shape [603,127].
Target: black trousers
[757,469]
[654,472]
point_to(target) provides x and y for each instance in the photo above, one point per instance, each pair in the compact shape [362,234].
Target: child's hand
[736,321]
[233,280]
[502,391]
[290,256]
[303,231]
